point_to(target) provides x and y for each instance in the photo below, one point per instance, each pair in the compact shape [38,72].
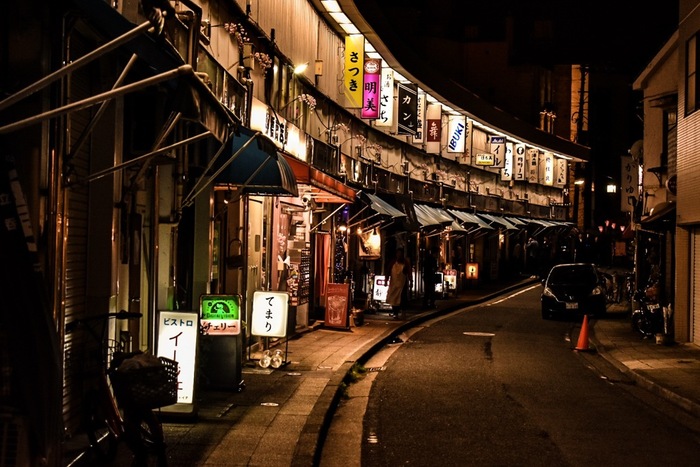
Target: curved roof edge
[457,96]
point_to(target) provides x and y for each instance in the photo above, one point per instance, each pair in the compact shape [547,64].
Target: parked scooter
[647,317]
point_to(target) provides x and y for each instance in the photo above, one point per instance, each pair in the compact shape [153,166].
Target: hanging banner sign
[498,149]
[533,164]
[407,118]
[560,170]
[466,157]
[629,177]
[419,137]
[270,314]
[456,133]
[337,305]
[220,315]
[371,91]
[354,64]
[547,169]
[507,170]
[433,128]
[519,162]
[386,100]
[178,334]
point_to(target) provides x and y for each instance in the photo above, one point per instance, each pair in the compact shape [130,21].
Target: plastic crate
[147,387]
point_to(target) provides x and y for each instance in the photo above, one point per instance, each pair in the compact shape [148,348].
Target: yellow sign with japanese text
[354,65]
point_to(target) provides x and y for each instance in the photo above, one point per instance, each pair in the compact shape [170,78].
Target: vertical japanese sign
[178,332]
[560,169]
[532,165]
[519,163]
[456,133]
[419,137]
[547,169]
[407,118]
[269,317]
[498,149]
[337,303]
[466,158]
[507,170]
[371,88]
[386,100]
[629,177]
[433,128]
[354,64]
[220,315]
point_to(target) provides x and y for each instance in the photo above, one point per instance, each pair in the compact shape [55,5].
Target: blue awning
[255,166]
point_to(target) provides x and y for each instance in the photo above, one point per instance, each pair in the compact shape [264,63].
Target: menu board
[337,305]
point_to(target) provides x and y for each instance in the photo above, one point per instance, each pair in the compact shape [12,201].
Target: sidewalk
[282,415]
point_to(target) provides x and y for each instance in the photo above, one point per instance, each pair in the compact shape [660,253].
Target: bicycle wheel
[144,435]
[101,436]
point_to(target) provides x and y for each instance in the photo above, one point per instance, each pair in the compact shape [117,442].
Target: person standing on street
[430,268]
[399,272]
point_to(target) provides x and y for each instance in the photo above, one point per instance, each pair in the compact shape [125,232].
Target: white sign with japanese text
[519,162]
[269,318]
[178,332]
[498,149]
[386,101]
[507,170]
[533,156]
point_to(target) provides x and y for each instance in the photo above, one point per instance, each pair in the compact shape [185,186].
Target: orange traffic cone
[583,335]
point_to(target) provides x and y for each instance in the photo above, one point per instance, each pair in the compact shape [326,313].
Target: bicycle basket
[147,387]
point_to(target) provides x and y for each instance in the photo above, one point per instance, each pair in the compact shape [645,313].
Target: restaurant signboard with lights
[371,89]
[220,315]
[270,314]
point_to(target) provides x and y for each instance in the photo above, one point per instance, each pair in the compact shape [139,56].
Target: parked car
[573,289]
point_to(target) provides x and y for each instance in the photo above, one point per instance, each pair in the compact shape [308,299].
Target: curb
[648,384]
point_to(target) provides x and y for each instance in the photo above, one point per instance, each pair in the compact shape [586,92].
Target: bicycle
[120,406]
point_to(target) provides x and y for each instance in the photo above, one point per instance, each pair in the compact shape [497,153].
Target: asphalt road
[497,385]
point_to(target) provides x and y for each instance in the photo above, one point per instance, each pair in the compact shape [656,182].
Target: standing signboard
[178,333]
[222,344]
[337,305]
[270,314]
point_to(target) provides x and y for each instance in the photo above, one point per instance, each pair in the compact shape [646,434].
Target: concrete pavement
[282,416]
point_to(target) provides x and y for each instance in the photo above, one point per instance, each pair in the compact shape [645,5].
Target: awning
[439,215]
[254,166]
[320,186]
[405,204]
[425,219]
[662,215]
[382,207]
[516,221]
[469,218]
[498,220]
[191,96]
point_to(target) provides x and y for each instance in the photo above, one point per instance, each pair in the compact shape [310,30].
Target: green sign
[220,314]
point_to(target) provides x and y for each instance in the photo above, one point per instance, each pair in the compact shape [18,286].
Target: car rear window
[573,275]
